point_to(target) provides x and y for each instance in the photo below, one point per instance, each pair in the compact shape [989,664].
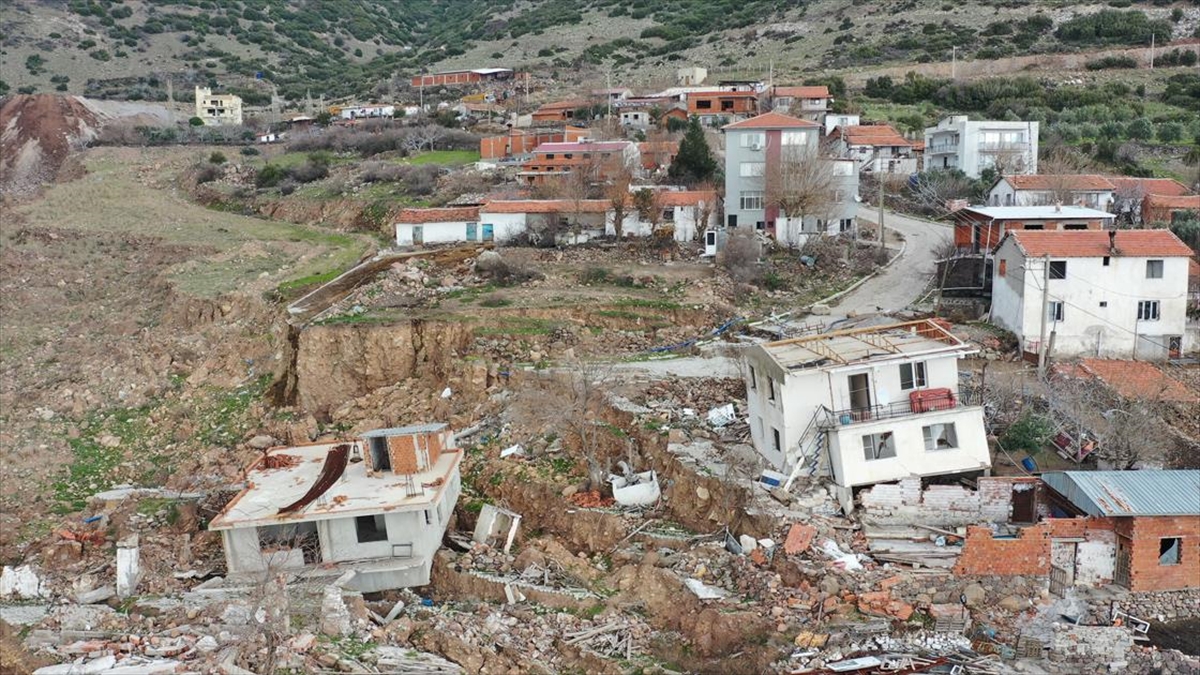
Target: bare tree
[617,193]
[1126,432]
[649,205]
[934,192]
[803,185]
[428,135]
[1009,158]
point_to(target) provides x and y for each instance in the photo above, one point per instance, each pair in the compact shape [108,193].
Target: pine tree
[695,162]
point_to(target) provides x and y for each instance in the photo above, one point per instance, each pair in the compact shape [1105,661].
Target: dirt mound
[37,133]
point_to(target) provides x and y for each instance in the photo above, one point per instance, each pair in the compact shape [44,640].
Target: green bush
[1030,433]
[249,151]
[1109,27]
[270,176]
[1111,63]
[216,158]
[196,122]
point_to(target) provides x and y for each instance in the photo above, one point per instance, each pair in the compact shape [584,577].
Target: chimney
[1058,206]
[1112,242]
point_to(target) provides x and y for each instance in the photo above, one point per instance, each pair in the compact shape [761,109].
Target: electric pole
[1045,316]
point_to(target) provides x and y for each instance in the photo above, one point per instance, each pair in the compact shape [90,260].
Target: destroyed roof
[438,215]
[1174,201]
[404,431]
[581,146]
[547,205]
[1078,181]
[1097,244]
[858,345]
[285,475]
[1129,493]
[871,134]
[686,197]
[1131,379]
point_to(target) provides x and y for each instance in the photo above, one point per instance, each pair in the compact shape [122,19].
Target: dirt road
[902,283]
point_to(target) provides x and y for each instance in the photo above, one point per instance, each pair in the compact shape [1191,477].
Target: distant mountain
[124,48]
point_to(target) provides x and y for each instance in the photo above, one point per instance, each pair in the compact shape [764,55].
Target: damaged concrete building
[866,405]
[377,505]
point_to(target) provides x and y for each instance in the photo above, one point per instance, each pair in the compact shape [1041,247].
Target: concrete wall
[736,155]
[1087,328]
[971,154]
[905,503]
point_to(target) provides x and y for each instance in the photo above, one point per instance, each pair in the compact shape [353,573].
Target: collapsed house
[866,405]
[376,506]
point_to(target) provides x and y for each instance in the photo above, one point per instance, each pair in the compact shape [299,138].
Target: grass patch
[649,303]
[443,157]
[518,325]
[290,288]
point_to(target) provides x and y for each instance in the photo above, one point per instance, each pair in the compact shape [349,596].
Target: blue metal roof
[1129,493]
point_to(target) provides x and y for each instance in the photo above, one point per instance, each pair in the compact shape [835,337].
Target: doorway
[860,395]
[1121,572]
[1023,503]
[418,234]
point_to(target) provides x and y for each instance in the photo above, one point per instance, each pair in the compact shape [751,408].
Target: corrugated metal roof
[1129,493]
[405,431]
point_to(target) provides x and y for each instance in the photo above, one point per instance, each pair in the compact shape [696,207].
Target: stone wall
[905,503]
[1090,644]
[1164,606]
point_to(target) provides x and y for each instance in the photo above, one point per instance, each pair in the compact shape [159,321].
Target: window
[428,517]
[1148,310]
[1035,226]
[753,379]
[839,196]
[1075,226]
[752,201]
[770,389]
[1003,267]
[668,214]
[752,140]
[775,443]
[1169,549]
[940,437]
[1107,260]
[1058,269]
[549,155]
[878,446]
[1054,311]
[371,528]
[569,155]
[912,375]
[1154,269]
[752,169]
[793,138]
[1104,303]
[726,105]
[703,105]
[846,224]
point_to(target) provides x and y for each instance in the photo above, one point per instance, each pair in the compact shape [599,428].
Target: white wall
[436,233]
[1089,329]
[851,468]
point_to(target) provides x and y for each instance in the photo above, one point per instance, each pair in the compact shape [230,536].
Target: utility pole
[954,62]
[879,175]
[1151,51]
[1045,320]
[608,94]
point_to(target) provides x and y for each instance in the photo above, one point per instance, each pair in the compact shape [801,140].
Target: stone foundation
[1163,606]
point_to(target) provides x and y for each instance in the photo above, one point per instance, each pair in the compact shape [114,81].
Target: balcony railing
[903,408]
[942,147]
[1003,146]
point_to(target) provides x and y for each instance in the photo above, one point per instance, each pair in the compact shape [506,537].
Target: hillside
[125,49]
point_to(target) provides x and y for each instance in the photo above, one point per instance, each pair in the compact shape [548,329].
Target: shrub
[249,151]
[216,158]
[741,254]
[196,122]
[309,172]
[270,176]
[207,174]
[1111,62]
[1030,432]
[1110,26]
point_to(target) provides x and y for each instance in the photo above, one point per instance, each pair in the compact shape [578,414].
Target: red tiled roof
[439,215]
[658,146]
[803,91]
[1173,202]
[590,146]
[1151,186]
[564,105]
[547,206]
[1081,181]
[722,94]
[1095,243]
[772,120]
[687,197]
[871,134]
[1134,380]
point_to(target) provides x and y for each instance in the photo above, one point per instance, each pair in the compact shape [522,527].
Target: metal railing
[942,147]
[904,408]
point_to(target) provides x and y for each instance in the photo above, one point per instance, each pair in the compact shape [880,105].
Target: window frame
[1056,311]
[877,440]
[1154,269]
[917,375]
[377,534]
[950,434]
[747,200]
[1163,551]
[1058,269]
[1148,310]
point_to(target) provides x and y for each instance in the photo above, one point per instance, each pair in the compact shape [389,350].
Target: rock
[570,490]
[96,596]
[109,441]
[206,644]
[829,585]
[262,442]
[702,493]
[1013,603]
[975,595]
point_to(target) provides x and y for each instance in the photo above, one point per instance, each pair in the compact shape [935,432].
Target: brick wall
[1146,574]
[904,503]
[1027,554]
[403,450]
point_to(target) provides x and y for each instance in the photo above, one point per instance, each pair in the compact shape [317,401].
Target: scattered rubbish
[748,543]
[722,416]
[496,525]
[639,489]
[513,595]
[128,566]
[21,583]
[772,478]
[704,591]
[799,538]
[446,393]
[511,451]
[732,545]
[93,519]
[851,665]
[846,561]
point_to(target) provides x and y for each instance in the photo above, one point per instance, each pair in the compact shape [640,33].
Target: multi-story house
[772,160]
[218,109]
[1089,190]
[807,102]
[876,148]
[713,107]
[972,146]
[1109,294]
[377,505]
[865,405]
[599,159]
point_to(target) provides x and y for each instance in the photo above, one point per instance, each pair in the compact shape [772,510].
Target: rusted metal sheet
[331,471]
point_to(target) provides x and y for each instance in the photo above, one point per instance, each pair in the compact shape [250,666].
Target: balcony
[1020,146]
[939,148]
[905,408]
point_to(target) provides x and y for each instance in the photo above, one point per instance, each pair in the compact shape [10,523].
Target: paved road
[903,282]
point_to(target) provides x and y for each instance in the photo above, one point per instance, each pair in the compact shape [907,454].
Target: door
[1023,510]
[1174,346]
[1121,572]
[487,232]
[418,235]
[471,231]
[860,395]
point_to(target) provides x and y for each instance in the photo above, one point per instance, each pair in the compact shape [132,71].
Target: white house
[1088,190]
[687,212]
[355,112]
[833,121]
[377,505]
[418,227]
[878,148]
[958,143]
[1111,294]
[806,102]
[218,109]
[865,405]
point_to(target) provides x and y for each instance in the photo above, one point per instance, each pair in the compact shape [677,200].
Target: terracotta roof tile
[1060,182]
[1173,201]
[871,134]
[579,146]
[803,91]
[563,105]
[1095,243]
[1136,380]
[439,215]
[546,206]
[772,120]
[1151,186]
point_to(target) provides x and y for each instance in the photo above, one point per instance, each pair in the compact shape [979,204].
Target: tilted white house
[1112,294]
[377,505]
[972,146]
[865,405]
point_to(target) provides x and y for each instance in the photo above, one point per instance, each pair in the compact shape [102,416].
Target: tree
[617,193]
[1140,129]
[803,185]
[649,204]
[196,122]
[695,162]
[323,118]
